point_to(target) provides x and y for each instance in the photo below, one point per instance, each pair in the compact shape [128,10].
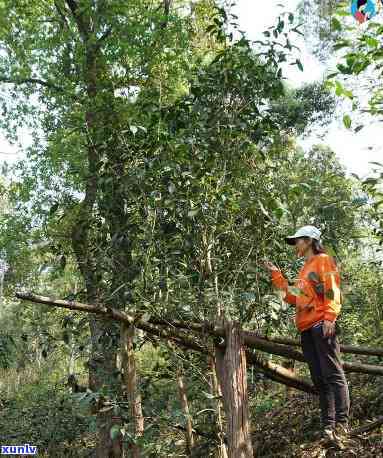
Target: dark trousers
[323,358]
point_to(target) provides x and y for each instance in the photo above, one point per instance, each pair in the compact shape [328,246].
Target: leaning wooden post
[232,375]
[185,409]
[130,379]
[216,392]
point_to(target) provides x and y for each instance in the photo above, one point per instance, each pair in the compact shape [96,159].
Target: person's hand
[328,328]
[270,266]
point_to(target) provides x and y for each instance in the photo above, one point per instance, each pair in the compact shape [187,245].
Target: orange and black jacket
[316,292]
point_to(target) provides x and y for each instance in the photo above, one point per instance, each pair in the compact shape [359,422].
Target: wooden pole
[185,409]
[216,392]
[232,375]
[130,379]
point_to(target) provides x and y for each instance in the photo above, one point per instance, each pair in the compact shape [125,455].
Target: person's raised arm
[280,282]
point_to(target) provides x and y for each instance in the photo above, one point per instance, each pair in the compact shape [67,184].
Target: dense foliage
[164,169]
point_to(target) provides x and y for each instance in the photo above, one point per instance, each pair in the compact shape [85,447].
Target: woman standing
[317,300]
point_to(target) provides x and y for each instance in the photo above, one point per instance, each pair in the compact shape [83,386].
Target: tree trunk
[216,391]
[130,380]
[102,370]
[185,409]
[102,363]
[231,371]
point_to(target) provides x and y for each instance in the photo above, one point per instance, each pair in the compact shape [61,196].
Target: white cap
[305,231]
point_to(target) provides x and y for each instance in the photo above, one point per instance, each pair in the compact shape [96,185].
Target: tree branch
[72,4]
[167,6]
[205,326]
[197,431]
[251,340]
[367,428]
[272,371]
[355,350]
[31,81]
[61,14]
[279,374]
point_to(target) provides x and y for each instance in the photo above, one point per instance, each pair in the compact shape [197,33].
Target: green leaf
[340,90]
[331,251]
[192,213]
[295,291]
[313,276]
[370,181]
[66,337]
[115,431]
[53,209]
[372,42]
[341,44]
[347,121]
[299,63]
[145,317]
[319,289]
[263,209]
[336,25]
[281,25]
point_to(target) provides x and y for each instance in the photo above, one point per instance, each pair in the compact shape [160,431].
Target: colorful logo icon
[363,10]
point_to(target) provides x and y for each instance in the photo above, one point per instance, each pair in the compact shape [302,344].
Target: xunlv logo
[18,450]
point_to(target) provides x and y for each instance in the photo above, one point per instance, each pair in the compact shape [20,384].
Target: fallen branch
[355,350]
[367,428]
[198,432]
[279,374]
[250,339]
[272,371]
[207,326]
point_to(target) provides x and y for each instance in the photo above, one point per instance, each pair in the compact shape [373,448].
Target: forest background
[167,158]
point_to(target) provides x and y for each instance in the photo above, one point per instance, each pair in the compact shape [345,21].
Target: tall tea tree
[97,163]
[63,62]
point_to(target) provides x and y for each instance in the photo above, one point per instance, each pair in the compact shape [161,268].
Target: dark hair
[316,245]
